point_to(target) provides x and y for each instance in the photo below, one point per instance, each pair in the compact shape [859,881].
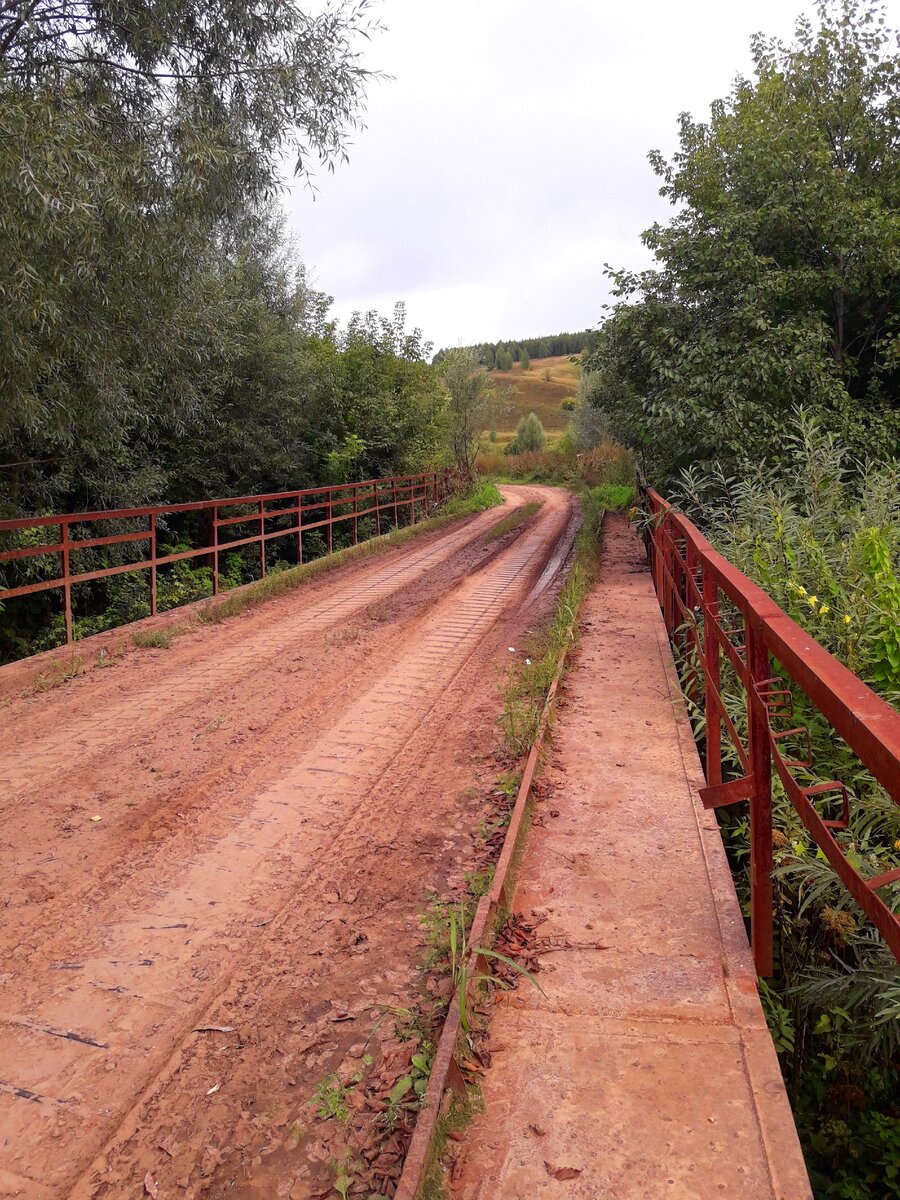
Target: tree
[224,89]
[470,397]
[524,359]
[588,424]
[141,147]
[529,435]
[777,281]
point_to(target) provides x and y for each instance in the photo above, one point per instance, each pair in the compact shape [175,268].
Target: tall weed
[823,539]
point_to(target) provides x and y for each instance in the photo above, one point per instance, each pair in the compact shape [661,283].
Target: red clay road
[274,796]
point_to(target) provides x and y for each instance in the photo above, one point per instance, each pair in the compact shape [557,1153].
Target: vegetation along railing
[225,525]
[712,610]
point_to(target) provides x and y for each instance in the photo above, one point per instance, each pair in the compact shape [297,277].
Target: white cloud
[507,160]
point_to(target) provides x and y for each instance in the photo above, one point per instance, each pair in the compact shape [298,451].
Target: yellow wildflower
[846,618]
[801,590]
[823,610]
[897,844]
[813,601]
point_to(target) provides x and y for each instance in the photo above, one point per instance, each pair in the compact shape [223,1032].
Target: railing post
[262,540]
[760,805]
[377,511]
[330,526]
[679,634]
[712,677]
[668,581]
[693,587]
[394,500]
[67,584]
[412,501]
[656,553]
[153,564]
[215,553]
[299,530]
[355,518]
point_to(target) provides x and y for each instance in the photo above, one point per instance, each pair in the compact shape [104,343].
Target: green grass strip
[481,497]
[516,518]
[529,683]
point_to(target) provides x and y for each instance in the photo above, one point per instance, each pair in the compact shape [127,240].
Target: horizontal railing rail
[694,584]
[300,512]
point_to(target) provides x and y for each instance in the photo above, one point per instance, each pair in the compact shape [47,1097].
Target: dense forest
[500,356]
[158,336]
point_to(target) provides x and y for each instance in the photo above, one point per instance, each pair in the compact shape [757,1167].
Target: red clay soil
[644,1069]
[214,857]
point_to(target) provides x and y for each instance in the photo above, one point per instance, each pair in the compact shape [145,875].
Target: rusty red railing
[695,585]
[303,511]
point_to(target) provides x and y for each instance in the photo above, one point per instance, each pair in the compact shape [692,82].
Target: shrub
[530,436]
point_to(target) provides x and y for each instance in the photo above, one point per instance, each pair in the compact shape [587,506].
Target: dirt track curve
[275,795]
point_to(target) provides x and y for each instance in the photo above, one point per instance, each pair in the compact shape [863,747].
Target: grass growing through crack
[455,1118]
[516,518]
[528,682]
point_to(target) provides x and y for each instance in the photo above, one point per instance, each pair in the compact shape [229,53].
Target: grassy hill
[532,391]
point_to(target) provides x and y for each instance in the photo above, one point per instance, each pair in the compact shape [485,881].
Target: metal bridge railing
[712,610]
[271,516]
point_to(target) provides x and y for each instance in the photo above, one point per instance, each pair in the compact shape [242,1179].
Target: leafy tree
[470,397]
[778,277]
[141,144]
[524,359]
[222,90]
[529,435]
[588,425]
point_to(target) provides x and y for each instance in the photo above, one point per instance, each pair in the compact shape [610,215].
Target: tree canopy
[502,355]
[778,279]
[158,336]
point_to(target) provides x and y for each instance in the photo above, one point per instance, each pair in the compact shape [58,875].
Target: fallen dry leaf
[563,1173]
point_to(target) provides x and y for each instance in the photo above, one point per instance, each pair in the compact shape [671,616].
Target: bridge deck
[647,1071]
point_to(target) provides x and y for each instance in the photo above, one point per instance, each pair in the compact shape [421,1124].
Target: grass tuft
[63,673]
[156,639]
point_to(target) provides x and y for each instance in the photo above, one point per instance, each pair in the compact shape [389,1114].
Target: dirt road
[238,832]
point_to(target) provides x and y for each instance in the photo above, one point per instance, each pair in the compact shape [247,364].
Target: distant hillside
[531,391]
[501,355]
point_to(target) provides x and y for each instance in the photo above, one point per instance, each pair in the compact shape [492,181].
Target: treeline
[500,356]
[158,336]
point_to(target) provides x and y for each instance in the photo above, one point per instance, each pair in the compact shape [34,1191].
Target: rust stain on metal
[690,578]
[325,507]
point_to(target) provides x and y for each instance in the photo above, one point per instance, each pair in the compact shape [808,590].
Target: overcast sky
[506,162]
